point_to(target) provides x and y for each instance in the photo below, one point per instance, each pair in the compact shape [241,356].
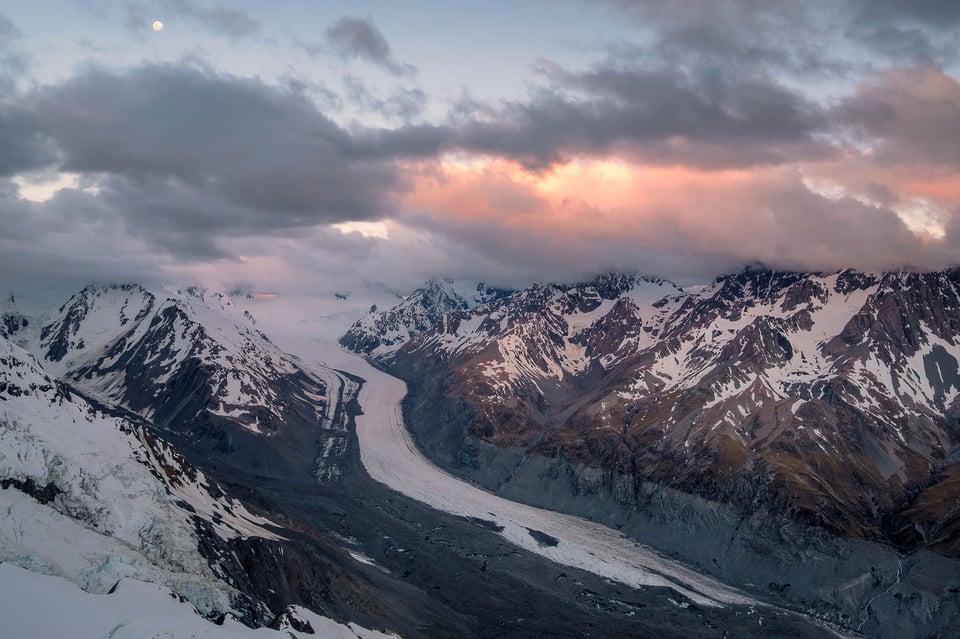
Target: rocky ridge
[781,412]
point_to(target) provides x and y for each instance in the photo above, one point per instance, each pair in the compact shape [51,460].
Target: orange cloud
[588,197]
[587,207]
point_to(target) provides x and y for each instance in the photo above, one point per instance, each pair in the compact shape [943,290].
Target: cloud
[751,36]
[404,104]
[907,116]
[802,38]
[8,30]
[661,115]
[13,62]
[923,30]
[225,21]
[71,240]
[691,151]
[355,38]
[22,148]
[190,155]
[585,217]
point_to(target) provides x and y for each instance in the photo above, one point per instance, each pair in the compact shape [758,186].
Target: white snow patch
[35,605]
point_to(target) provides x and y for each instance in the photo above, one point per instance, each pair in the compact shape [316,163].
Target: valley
[307,489]
[767,429]
[283,517]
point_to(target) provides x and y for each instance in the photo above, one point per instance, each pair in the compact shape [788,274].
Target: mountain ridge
[831,396]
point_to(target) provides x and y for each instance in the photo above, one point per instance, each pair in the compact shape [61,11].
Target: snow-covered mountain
[379,333]
[94,498]
[831,398]
[174,356]
[104,401]
[192,362]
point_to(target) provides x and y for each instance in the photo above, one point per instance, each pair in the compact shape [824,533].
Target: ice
[35,605]
[117,511]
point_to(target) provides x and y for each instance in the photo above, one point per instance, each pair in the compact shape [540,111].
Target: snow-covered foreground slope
[94,498]
[35,605]
[90,499]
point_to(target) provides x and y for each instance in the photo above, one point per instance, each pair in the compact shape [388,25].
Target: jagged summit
[380,332]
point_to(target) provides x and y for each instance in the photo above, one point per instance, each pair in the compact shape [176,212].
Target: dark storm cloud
[189,154]
[354,38]
[659,114]
[21,147]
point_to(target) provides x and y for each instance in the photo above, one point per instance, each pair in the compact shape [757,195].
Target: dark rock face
[12,323]
[43,494]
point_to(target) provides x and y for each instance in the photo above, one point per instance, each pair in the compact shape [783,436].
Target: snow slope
[35,606]
[106,500]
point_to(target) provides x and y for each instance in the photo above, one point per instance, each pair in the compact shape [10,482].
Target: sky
[303,148]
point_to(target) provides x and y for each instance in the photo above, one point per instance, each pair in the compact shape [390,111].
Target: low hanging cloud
[672,221]
[908,115]
[71,240]
[356,38]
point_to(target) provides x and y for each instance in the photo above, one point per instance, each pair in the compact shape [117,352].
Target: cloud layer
[705,144]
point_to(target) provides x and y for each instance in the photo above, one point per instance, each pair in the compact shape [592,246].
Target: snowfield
[109,548]
[35,605]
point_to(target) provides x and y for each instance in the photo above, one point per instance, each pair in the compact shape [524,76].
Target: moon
[157,25]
